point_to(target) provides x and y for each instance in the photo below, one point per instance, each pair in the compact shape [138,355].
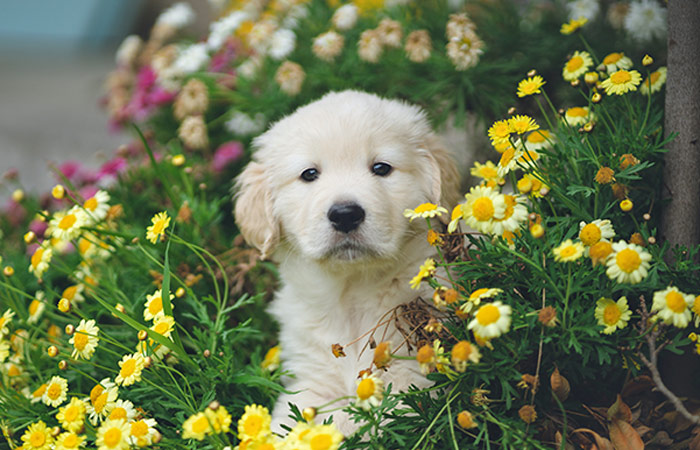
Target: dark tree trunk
[680,223]
[681,217]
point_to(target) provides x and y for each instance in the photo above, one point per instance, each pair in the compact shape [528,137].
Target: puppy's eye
[381,169]
[309,175]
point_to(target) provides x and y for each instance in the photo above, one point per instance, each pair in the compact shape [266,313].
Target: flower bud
[58,192]
[52,351]
[309,414]
[18,195]
[29,237]
[626,205]
[142,335]
[64,305]
[8,271]
[647,61]
[70,329]
[62,365]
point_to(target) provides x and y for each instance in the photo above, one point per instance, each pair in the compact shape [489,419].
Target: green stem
[566,297]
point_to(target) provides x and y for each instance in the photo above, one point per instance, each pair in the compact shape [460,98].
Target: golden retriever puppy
[324,197]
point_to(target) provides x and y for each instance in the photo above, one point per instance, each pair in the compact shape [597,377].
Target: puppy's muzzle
[346,217]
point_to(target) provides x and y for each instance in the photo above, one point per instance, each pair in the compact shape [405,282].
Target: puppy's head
[331,181]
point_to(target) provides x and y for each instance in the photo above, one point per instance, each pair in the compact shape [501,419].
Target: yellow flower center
[128,368]
[675,302]
[488,314]
[506,157]
[483,209]
[574,64]
[696,305]
[33,307]
[37,439]
[620,77]
[537,137]
[628,260]
[67,221]
[69,292]
[478,293]
[365,389]
[80,340]
[252,425]
[321,442]
[487,172]
[155,306]
[567,252]
[100,402]
[13,371]
[54,391]
[40,391]
[162,327]
[266,447]
[37,257]
[139,428]
[425,207]
[96,392]
[611,314]
[90,204]
[71,441]
[461,351]
[577,111]
[425,354]
[158,227]
[118,413]
[612,58]
[84,245]
[654,77]
[590,234]
[112,437]
[71,413]
[200,425]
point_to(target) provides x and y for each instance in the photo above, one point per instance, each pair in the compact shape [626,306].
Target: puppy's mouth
[349,249]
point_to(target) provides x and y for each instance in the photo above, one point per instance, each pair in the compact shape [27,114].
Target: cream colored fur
[336,286]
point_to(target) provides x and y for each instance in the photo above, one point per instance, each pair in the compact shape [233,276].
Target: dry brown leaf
[624,437]
[620,411]
[642,384]
[560,385]
[600,442]
[557,439]
[675,422]
[695,443]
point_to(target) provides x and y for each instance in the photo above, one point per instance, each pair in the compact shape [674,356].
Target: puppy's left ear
[444,177]
[253,209]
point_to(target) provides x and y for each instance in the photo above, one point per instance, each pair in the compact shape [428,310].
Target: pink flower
[112,168]
[38,227]
[226,154]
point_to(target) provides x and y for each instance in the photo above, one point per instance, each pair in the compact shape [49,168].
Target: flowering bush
[133,315]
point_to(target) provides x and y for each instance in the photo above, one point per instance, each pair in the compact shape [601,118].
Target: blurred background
[54,59]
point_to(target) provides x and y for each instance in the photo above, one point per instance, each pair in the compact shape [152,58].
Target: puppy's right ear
[253,209]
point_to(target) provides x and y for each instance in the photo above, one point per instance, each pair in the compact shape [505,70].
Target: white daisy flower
[241,124]
[484,205]
[583,8]
[36,307]
[628,264]
[370,391]
[345,17]
[592,233]
[65,225]
[282,43]
[221,29]
[646,20]
[179,15]
[673,306]
[491,320]
[56,391]
[85,339]
[97,206]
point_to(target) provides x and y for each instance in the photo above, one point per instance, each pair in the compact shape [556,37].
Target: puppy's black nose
[346,217]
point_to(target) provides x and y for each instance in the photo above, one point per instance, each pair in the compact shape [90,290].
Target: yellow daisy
[74,293]
[323,437]
[487,172]
[39,262]
[84,339]
[591,233]
[163,325]
[254,423]
[66,225]
[530,86]
[455,217]
[509,160]
[514,215]
[577,65]
[36,307]
[629,263]
[654,81]
[5,320]
[621,82]
[616,61]
[103,397]
[522,124]
[673,306]
[69,441]
[37,437]
[491,320]
[159,223]
[539,139]
[370,392]
[142,432]
[568,251]
[113,435]
[612,315]
[56,391]
[72,416]
[599,252]
[573,25]
[130,370]
[499,132]
[219,419]
[483,206]
[97,206]
[122,409]
[424,210]
[462,352]
[272,359]
[38,393]
[153,307]
[427,270]
[578,115]
[196,427]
